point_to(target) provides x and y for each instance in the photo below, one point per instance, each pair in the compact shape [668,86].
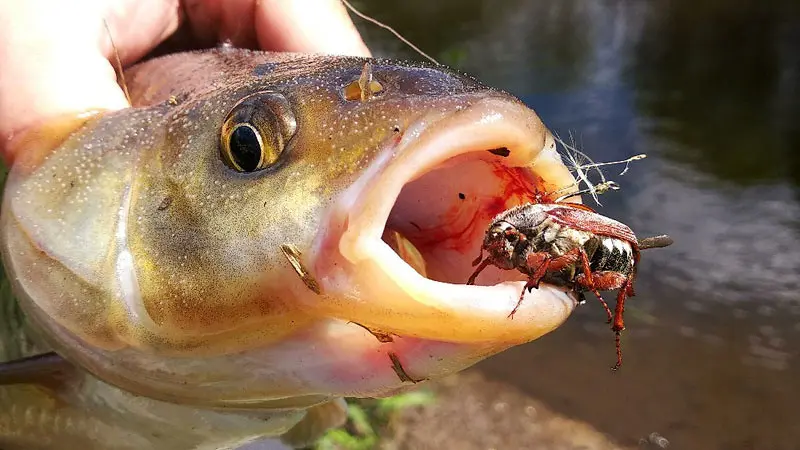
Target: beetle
[568,245]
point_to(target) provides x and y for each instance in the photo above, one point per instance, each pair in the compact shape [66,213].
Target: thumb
[54,57]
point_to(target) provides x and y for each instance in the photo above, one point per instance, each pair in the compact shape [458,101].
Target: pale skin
[56,58]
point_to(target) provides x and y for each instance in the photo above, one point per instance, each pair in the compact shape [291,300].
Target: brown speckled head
[152,237]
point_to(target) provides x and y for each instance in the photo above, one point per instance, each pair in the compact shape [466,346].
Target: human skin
[56,57]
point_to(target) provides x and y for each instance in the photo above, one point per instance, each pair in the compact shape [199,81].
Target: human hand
[56,56]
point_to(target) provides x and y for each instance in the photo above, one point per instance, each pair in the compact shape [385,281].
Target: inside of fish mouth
[438,222]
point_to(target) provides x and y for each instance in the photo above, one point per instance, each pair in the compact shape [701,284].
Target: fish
[257,237]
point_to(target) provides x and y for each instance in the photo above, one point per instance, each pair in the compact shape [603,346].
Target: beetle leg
[477,260]
[619,310]
[543,262]
[619,323]
[587,280]
[581,279]
[629,288]
[632,275]
[569,258]
[478,270]
[607,280]
[536,276]
[618,344]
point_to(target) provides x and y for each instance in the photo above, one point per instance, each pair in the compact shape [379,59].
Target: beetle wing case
[592,222]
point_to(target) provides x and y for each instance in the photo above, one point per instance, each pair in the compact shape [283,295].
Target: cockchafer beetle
[568,245]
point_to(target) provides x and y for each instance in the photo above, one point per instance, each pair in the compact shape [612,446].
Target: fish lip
[506,124]
[474,313]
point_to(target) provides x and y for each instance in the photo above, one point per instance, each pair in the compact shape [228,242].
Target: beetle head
[501,243]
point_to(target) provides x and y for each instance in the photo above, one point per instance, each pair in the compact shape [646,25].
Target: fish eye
[246,148]
[256,132]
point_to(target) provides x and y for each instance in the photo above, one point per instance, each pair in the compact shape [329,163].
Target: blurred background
[710,90]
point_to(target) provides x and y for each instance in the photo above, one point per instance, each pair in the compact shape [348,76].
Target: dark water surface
[710,90]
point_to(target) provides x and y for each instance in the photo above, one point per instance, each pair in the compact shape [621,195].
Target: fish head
[224,241]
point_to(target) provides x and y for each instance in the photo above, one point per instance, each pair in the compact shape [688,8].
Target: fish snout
[395,254]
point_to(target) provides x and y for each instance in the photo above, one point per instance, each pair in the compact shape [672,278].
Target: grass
[371,421]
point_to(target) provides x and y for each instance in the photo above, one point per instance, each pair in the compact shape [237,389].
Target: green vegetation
[370,421]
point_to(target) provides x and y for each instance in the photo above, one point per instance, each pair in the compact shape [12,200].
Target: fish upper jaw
[439,188]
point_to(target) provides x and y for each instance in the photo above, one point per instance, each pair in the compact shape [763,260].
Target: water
[710,90]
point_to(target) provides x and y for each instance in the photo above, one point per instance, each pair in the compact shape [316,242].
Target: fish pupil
[245,148]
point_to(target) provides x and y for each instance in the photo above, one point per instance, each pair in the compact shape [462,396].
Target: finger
[214,21]
[306,26]
[54,56]
[309,26]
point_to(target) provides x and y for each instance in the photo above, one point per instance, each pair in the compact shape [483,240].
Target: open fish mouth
[397,251]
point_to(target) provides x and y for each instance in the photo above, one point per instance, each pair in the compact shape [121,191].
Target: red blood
[519,186]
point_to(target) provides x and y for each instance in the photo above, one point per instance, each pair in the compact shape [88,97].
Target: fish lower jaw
[410,227]
[422,307]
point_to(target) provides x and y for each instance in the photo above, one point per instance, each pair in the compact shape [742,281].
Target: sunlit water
[710,91]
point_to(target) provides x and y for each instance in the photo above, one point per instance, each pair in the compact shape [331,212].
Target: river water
[710,91]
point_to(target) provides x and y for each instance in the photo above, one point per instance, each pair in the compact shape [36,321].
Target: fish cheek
[180,256]
[206,245]
[208,234]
